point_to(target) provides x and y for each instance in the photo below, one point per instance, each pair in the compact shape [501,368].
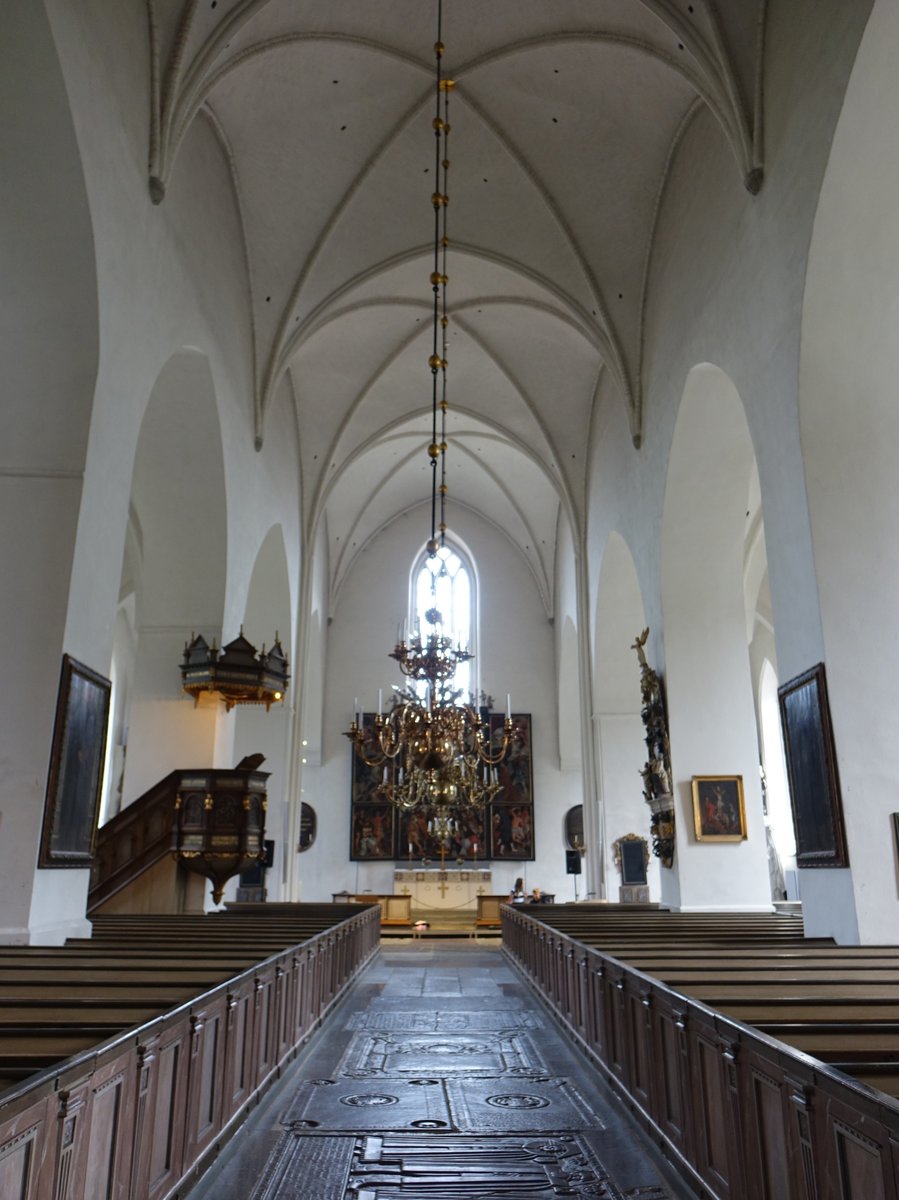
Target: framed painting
[468,842]
[77,756]
[515,773]
[812,771]
[373,832]
[512,832]
[631,854]
[719,813]
[365,779]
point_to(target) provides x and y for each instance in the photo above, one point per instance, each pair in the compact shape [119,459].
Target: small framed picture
[719,813]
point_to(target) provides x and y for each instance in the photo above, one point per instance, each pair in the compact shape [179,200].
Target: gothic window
[445,584]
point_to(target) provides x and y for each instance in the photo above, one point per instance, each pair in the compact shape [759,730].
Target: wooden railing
[741,1115]
[141,1113]
[134,840]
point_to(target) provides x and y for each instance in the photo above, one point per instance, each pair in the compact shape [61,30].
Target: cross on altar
[405,891]
[442,888]
[480,891]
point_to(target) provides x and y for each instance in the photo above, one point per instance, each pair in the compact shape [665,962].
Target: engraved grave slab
[483,1053]
[316,1168]
[506,1105]
[358,1105]
[400,1166]
[485,1018]
[447,1003]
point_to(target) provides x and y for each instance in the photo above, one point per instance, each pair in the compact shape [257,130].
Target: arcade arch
[621,751]
[173,577]
[256,731]
[707,519]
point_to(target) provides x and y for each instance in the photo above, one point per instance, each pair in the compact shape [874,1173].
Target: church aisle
[438,1076]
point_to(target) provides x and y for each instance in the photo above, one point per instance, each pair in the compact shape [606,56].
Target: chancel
[519,380]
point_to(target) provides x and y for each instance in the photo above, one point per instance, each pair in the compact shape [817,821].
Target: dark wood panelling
[131,1118]
[743,1116]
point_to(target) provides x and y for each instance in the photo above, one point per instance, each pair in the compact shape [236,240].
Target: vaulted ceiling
[565,119]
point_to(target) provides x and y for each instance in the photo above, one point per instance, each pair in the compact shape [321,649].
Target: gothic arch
[709,684]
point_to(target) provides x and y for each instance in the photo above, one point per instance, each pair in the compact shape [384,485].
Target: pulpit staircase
[133,869]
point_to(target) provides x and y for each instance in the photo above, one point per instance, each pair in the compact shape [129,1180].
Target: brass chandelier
[438,755]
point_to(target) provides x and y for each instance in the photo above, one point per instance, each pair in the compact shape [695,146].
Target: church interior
[526,367]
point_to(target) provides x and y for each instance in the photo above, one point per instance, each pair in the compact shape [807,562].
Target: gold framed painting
[719,812]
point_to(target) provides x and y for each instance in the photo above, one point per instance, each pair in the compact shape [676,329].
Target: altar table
[450,888]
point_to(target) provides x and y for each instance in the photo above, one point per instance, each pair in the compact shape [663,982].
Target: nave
[440,1074]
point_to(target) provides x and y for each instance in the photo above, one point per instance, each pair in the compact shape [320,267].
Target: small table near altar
[453,887]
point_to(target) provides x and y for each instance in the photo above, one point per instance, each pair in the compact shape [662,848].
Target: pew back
[783,1108]
[119,1079]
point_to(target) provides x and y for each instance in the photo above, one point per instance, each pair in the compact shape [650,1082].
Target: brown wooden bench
[146,1042]
[703,1019]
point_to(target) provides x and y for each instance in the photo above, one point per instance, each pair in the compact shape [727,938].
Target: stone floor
[440,1075]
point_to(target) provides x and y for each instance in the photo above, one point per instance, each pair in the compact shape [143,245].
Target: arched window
[445,583]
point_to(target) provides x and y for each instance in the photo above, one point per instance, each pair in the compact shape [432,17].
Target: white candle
[508,707]
[380,702]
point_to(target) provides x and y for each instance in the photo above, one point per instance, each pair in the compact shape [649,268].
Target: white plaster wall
[178,498]
[850,430]
[268,733]
[565,610]
[710,696]
[167,278]
[725,283]
[620,746]
[516,655]
[620,734]
[48,346]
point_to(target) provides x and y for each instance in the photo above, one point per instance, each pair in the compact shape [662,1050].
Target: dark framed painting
[512,832]
[373,832]
[719,812]
[366,779]
[308,826]
[468,841]
[812,771]
[515,773]
[631,858]
[77,757]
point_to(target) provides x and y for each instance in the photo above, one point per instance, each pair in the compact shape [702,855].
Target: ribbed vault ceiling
[565,118]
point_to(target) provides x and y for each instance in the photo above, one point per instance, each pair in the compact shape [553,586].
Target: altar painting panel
[469,842]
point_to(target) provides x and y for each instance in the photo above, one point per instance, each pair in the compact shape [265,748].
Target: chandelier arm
[369,762]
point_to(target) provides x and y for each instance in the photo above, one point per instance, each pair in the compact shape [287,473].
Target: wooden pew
[747,1049]
[127,1058]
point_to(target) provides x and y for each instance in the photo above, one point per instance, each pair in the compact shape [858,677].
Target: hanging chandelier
[434,753]
[437,754]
